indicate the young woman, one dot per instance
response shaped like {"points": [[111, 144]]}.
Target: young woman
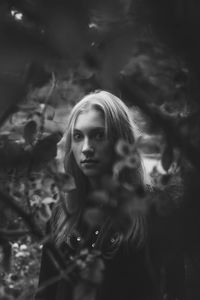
{"points": [[95, 125]]}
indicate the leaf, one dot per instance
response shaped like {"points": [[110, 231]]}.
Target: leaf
{"points": [[48, 200], [118, 166], [44, 214], [30, 131], [132, 161], [122, 148], [46, 149], [35, 200], [167, 157]]}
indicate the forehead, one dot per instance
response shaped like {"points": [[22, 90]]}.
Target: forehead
{"points": [[91, 118]]}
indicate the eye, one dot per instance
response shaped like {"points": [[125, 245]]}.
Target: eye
{"points": [[77, 136], [99, 136]]}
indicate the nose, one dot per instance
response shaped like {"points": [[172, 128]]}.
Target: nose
{"points": [[87, 149]]}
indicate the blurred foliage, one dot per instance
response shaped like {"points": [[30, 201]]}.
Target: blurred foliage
{"points": [[52, 53], [21, 280]]}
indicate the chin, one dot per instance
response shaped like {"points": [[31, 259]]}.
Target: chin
{"points": [[91, 174]]}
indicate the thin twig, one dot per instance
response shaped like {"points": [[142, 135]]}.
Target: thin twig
{"points": [[49, 282]]}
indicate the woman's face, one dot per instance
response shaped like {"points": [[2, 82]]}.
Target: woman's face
{"points": [[91, 148]]}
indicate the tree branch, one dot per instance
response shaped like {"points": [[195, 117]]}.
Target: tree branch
{"points": [[133, 94]]}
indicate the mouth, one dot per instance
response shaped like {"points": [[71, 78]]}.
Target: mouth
{"points": [[89, 162]]}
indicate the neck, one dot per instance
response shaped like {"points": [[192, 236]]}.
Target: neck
{"points": [[94, 184]]}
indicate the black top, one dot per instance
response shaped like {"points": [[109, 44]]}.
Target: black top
{"points": [[126, 276]]}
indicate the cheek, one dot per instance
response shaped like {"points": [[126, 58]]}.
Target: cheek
{"points": [[107, 152]]}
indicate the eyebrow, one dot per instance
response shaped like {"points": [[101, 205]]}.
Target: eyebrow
{"points": [[94, 129]]}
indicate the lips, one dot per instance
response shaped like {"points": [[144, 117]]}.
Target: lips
{"points": [[89, 161]]}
